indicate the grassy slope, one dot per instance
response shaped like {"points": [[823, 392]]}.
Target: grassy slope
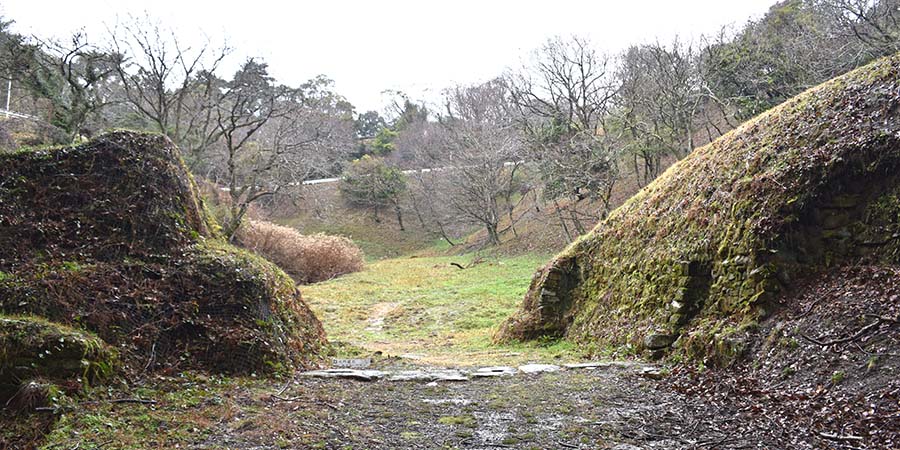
{"points": [[377, 241], [430, 308], [320, 209]]}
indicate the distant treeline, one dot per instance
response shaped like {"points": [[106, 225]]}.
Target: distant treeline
{"points": [[567, 124]]}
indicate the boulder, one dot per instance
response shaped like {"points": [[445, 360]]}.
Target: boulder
{"points": [[657, 341], [33, 348]]}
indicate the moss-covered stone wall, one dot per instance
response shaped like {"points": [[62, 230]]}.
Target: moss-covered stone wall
{"points": [[713, 240]]}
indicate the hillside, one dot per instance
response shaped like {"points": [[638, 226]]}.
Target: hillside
{"points": [[713, 242]]}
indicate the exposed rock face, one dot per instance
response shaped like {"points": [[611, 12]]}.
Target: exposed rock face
{"points": [[112, 235], [547, 309], [712, 242]]}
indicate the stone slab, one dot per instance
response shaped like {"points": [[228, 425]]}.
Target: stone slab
{"points": [[498, 371], [363, 375], [423, 375], [538, 368]]}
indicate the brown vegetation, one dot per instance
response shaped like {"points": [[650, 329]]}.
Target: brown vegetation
{"points": [[308, 259]]}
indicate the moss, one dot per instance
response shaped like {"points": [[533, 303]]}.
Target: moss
{"points": [[837, 377], [34, 348], [463, 420], [719, 235], [112, 236]]}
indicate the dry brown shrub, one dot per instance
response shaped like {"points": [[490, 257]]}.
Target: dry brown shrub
{"points": [[308, 259]]}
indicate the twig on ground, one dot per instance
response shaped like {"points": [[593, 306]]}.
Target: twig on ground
{"points": [[809, 308], [126, 400], [862, 331]]}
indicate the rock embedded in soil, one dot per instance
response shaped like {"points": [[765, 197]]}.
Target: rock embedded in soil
{"points": [[538, 368], [351, 363], [603, 364], [652, 373], [497, 371], [33, 348], [426, 375], [658, 341]]}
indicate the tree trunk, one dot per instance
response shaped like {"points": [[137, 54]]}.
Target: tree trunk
{"points": [[562, 221], [415, 205], [573, 213], [399, 216], [493, 235]]}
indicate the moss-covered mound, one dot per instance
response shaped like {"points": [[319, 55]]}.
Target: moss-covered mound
{"points": [[32, 348], [709, 245], [123, 194], [112, 236]]}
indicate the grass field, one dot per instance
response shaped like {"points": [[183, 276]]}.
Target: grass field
{"points": [[428, 309]]}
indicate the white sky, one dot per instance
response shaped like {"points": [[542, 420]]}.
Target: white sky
{"points": [[419, 47]]}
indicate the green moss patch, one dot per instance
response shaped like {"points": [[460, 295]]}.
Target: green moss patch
{"points": [[712, 242], [33, 348]]}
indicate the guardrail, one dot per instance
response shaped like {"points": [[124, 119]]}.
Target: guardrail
{"points": [[8, 113]]}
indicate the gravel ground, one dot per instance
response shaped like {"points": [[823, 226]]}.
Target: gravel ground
{"points": [[604, 408]]}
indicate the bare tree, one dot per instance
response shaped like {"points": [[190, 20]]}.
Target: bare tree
{"points": [[68, 76], [874, 23], [484, 147], [421, 141], [244, 107], [273, 137], [563, 99], [661, 100], [158, 74]]}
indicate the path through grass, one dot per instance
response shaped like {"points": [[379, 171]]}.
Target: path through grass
{"points": [[426, 308]]}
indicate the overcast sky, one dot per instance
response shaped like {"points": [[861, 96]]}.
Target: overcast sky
{"points": [[419, 46]]}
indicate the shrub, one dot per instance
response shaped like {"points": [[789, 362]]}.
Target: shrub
{"points": [[308, 259]]}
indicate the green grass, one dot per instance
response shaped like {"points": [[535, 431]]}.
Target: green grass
{"points": [[427, 307]]}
